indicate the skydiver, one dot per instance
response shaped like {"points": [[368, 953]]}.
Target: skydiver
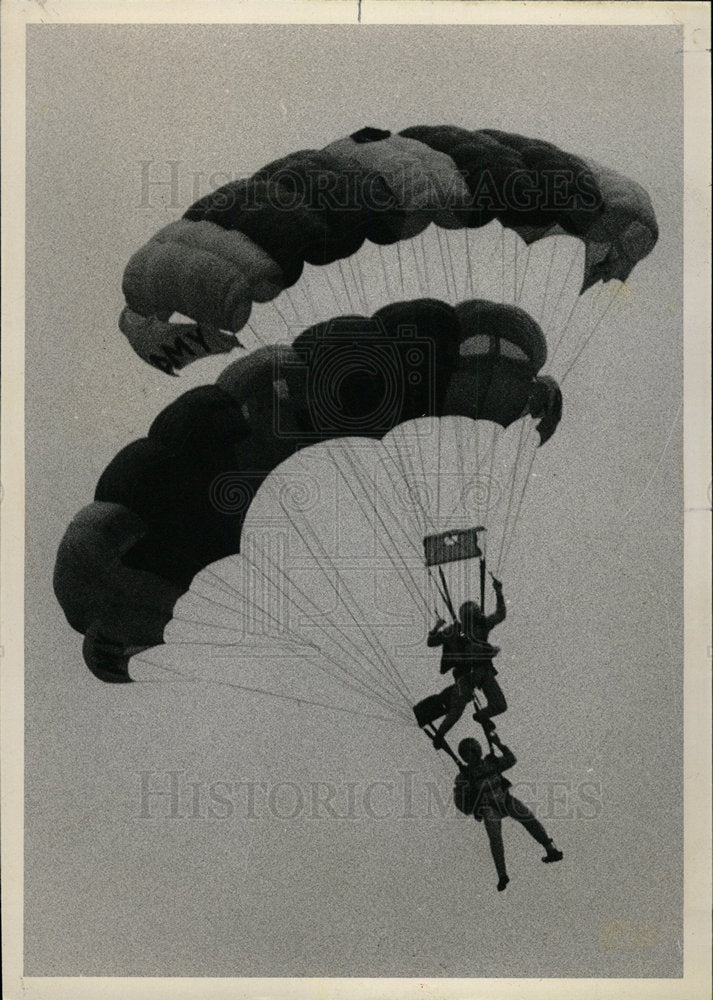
{"points": [[480, 788], [467, 652]]}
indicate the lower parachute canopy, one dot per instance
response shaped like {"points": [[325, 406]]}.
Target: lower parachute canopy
{"points": [[329, 601], [175, 501]]}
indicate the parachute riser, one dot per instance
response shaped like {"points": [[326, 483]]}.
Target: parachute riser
{"points": [[430, 731], [447, 596], [486, 730]]}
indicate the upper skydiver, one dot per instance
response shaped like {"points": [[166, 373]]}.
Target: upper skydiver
{"points": [[467, 652]]}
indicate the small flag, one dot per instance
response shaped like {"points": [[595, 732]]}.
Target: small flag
{"points": [[450, 546]]}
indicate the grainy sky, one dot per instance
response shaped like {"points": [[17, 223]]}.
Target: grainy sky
{"points": [[592, 650]]}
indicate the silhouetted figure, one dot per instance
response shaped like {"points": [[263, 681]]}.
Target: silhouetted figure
{"points": [[480, 788], [467, 652]]}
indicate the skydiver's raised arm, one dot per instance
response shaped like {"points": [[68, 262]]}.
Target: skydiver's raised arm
{"points": [[500, 612], [438, 634], [507, 758]]}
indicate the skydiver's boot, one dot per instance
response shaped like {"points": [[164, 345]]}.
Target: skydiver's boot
{"points": [[552, 853], [455, 710], [502, 882], [485, 721]]}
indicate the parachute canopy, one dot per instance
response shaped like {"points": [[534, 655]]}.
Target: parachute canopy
{"points": [[250, 240], [175, 501]]}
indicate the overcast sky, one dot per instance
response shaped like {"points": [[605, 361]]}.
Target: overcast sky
{"points": [[592, 650]]}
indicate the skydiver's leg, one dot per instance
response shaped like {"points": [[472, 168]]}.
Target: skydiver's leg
{"points": [[459, 698], [495, 698], [519, 811], [494, 830]]}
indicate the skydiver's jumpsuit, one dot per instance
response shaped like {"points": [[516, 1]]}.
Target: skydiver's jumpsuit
{"points": [[463, 655], [489, 792]]}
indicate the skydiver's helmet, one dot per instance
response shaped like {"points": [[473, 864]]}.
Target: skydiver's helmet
{"points": [[468, 612], [470, 750]]}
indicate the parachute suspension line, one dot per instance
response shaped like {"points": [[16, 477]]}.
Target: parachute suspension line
{"points": [[362, 283], [448, 278], [483, 563], [407, 473], [427, 507], [279, 312], [483, 496], [221, 585], [460, 452], [511, 491], [421, 286], [410, 541], [181, 675], [270, 694], [408, 536], [286, 293], [521, 289], [314, 704], [502, 260], [411, 581], [336, 298], [438, 479], [511, 536], [595, 296], [384, 270], [469, 275], [421, 243], [388, 533], [591, 333], [497, 434], [548, 278], [309, 659], [509, 526], [471, 449], [487, 460], [432, 585], [352, 307], [259, 569], [357, 284], [248, 603], [453, 509], [359, 296], [306, 290], [401, 266], [576, 305], [409, 477], [381, 654], [514, 269], [452, 266], [442, 593], [476, 444], [355, 654], [551, 319], [254, 332], [288, 595]]}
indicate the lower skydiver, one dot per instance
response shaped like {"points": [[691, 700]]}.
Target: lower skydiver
{"points": [[481, 789]]}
